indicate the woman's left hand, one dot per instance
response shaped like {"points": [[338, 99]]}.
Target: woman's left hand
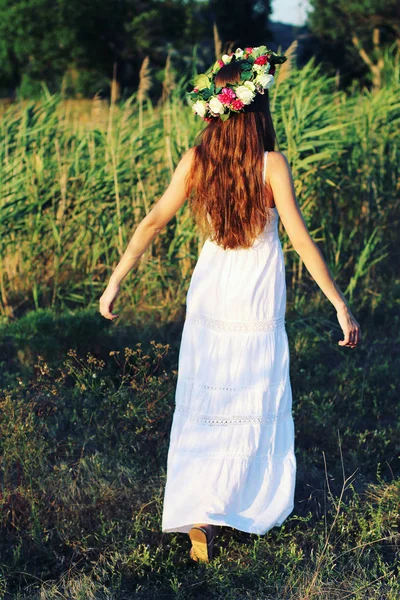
{"points": [[107, 301]]}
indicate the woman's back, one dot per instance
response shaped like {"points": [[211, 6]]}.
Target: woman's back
{"points": [[232, 438], [243, 284]]}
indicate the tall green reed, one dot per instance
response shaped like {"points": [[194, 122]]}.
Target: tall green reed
{"points": [[76, 179]]}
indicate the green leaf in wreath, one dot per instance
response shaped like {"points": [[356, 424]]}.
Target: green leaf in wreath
{"points": [[246, 75], [202, 82], [277, 59], [246, 66], [260, 50]]}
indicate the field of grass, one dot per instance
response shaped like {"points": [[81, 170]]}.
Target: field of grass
{"points": [[86, 405]]}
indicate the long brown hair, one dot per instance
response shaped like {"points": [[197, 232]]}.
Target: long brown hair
{"points": [[227, 195]]}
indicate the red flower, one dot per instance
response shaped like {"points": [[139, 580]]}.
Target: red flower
{"points": [[248, 50], [261, 60], [221, 63], [196, 90], [226, 96], [208, 119], [236, 104]]}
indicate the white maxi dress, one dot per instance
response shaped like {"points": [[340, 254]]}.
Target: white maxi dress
{"points": [[231, 459]]}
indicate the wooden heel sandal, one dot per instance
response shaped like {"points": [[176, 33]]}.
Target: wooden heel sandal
{"points": [[202, 544]]}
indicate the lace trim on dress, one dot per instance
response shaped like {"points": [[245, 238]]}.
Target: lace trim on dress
{"points": [[221, 421], [251, 388], [237, 326], [272, 456]]}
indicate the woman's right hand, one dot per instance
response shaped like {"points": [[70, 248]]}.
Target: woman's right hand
{"points": [[107, 301], [350, 326]]}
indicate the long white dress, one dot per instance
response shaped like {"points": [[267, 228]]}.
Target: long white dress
{"points": [[231, 459]]}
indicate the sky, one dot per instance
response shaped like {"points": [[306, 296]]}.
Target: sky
{"points": [[292, 12]]}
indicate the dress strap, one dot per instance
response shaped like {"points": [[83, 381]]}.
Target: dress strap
{"points": [[265, 165]]}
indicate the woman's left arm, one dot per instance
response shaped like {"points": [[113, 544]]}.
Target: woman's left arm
{"points": [[147, 230]]}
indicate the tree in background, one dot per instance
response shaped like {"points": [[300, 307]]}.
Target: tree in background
{"points": [[240, 23], [40, 40], [354, 35], [153, 28], [78, 43]]}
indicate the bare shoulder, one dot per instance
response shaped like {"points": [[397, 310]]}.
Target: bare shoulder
{"points": [[276, 157], [190, 152], [277, 164], [188, 156], [185, 163]]}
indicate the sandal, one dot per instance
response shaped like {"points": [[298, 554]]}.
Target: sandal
{"points": [[202, 543]]}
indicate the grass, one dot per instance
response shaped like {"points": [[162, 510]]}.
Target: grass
{"points": [[86, 405], [83, 453], [84, 440]]}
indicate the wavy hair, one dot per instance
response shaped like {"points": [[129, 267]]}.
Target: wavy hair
{"points": [[227, 195]]}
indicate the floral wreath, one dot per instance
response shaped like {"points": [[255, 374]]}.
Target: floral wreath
{"points": [[257, 75]]}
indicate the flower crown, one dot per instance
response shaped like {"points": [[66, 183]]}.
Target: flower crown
{"points": [[257, 75]]}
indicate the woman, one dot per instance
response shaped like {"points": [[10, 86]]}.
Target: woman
{"points": [[231, 458]]}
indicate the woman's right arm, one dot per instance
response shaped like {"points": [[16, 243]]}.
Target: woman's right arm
{"points": [[280, 178]]}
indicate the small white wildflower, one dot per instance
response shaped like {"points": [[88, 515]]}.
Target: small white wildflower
{"points": [[199, 107], [226, 59], [216, 105]]}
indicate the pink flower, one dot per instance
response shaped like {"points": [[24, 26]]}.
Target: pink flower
{"points": [[261, 60], [226, 96], [208, 119], [248, 50], [236, 104], [195, 89], [221, 63]]}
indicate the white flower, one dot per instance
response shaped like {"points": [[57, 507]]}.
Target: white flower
{"points": [[199, 107], [244, 94], [239, 53], [265, 80], [216, 106], [259, 68], [226, 59], [250, 85]]}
